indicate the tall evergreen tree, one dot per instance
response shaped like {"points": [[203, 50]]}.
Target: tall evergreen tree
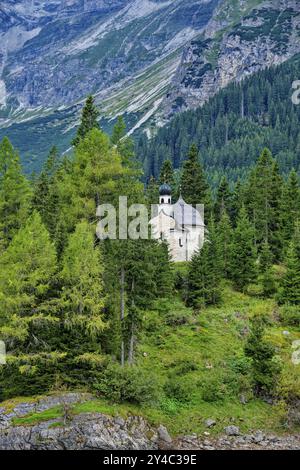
{"points": [[223, 199], [290, 207], [152, 193], [203, 283], [243, 255], [224, 236], [167, 174], [290, 284], [89, 120], [263, 199], [194, 186], [15, 194], [265, 370], [119, 131], [45, 195], [265, 267]]}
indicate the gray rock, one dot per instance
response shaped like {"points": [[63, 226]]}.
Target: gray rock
{"points": [[164, 435], [232, 430], [209, 423]]}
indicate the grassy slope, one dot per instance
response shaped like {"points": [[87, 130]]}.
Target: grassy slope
{"points": [[210, 342]]}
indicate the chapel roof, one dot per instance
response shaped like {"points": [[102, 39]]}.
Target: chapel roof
{"points": [[186, 214]]}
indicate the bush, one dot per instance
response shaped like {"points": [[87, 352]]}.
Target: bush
{"points": [[213, 389], [178, 390], [128, 384], [169, 406], [290, 315], [184, 367]]}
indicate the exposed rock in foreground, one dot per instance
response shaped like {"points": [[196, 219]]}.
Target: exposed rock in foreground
{"points": [[96, 431]]}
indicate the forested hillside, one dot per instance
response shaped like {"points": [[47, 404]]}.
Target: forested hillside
{"points": [[233, 127], [214, 337]]}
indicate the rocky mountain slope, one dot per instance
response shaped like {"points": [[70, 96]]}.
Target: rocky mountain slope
{"points": [[147, 59], [266, 35]]}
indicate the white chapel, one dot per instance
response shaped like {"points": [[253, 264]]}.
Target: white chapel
{"points": [[179, 224]]}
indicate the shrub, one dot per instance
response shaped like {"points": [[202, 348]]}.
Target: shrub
{"points": [[178, 390], [213, 389], [169, 406], [184, 367], [290, 315], [128, 384]]}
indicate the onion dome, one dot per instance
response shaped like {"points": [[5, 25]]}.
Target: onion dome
{"points": [[165, 190]]}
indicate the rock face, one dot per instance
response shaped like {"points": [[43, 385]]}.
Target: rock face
{"points": [[86, 431], [97, 431], [146, 59], [54, 53], [266, 35]]}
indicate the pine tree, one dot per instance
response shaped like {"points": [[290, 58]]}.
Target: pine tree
{"points": [[290, 284], [203, 282], [243, 255], [15, 194], [194, 187], [89, 120]]}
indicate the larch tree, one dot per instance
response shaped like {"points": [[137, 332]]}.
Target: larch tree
{"points": [[83, 298], [27, 269], [15, 194]]}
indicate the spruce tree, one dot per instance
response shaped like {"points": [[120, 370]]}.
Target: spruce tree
{"points": [[167, 174], [224, 236], [15, 194], [89, 120], [45, 196], [194, 187], [266, 269], [243, 256], [152, 193], [290, 207], [223, 199], [264, 191], [119, 131], [290, 284], [204, 274], [265, 370]]}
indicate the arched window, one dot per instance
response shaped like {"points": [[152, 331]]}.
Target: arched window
{"points": [[180, 242], [169, 201], [162, 201]]}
